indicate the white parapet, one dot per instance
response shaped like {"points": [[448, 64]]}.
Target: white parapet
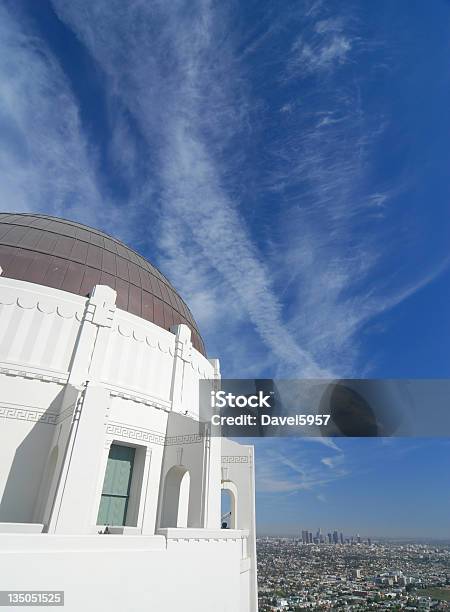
{"points": [[21, 528]]}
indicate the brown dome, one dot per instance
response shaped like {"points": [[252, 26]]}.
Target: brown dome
{"points": [[73, 257]]}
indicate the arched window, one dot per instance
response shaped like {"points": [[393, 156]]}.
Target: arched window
{"points": [[229, 519], [175, 508]]}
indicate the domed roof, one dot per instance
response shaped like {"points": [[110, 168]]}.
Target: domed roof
{"points": [[73, 257]]}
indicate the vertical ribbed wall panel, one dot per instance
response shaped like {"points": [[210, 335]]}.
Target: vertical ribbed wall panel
{"points": [[37, 349], [112, 360], [39, 330], [8, 314], [55, 343], [72, 331]]}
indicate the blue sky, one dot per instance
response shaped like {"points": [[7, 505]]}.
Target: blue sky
{"points": [[284, 164], [377, 487]]}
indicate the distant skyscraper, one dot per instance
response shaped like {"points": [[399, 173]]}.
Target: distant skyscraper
{"points": [[341, 537], [310, 537], [330, 538], [335, 537]]}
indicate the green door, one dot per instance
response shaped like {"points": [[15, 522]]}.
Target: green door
{"points": [[116, 487]]}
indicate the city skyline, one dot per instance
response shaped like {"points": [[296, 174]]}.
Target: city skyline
{"points": [[384, 576], [394, 492]]}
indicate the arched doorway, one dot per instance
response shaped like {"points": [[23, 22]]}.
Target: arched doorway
{"points": [[175, 508], [229, 519]]}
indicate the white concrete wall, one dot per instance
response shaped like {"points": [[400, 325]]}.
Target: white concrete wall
{"points": [[29, 415], [38, 325], [238, 468], [133, 573], [77, 375], [50, 339], [139, 357]]}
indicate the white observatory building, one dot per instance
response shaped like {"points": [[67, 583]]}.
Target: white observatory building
{"points": [[100, 363]]}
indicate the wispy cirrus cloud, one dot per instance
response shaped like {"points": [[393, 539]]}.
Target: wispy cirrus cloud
{"points": [[333, 462], [334, 217], [273, 241], [328, 442], [327, 45], [46, 162], [196, 116], [301, 470]]}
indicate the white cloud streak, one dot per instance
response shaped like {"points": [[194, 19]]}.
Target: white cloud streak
{"points": [[337, 229], [300, 471], [177, 76], [46, 163], [198, 219]]}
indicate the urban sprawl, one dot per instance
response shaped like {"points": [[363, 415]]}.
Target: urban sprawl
{"points": [[327, 571]]}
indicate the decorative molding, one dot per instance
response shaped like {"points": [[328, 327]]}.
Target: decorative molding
{"points": [[79, 405], [183, 344], [101, 306], [28, 414], [184, 439], [138, 334], [189, 534], [204, 539], [25, 371], [28, 301], [34, 414], [146, 435], [134, 433], [151, 341], [138, 397], [235, 459], [163, 347], [99, 315], [200, 365]]}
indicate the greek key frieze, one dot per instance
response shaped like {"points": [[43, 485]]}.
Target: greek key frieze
{"points": [[235, 459], [143, 435], [184, 439], [27, 414], [134, 433]]}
